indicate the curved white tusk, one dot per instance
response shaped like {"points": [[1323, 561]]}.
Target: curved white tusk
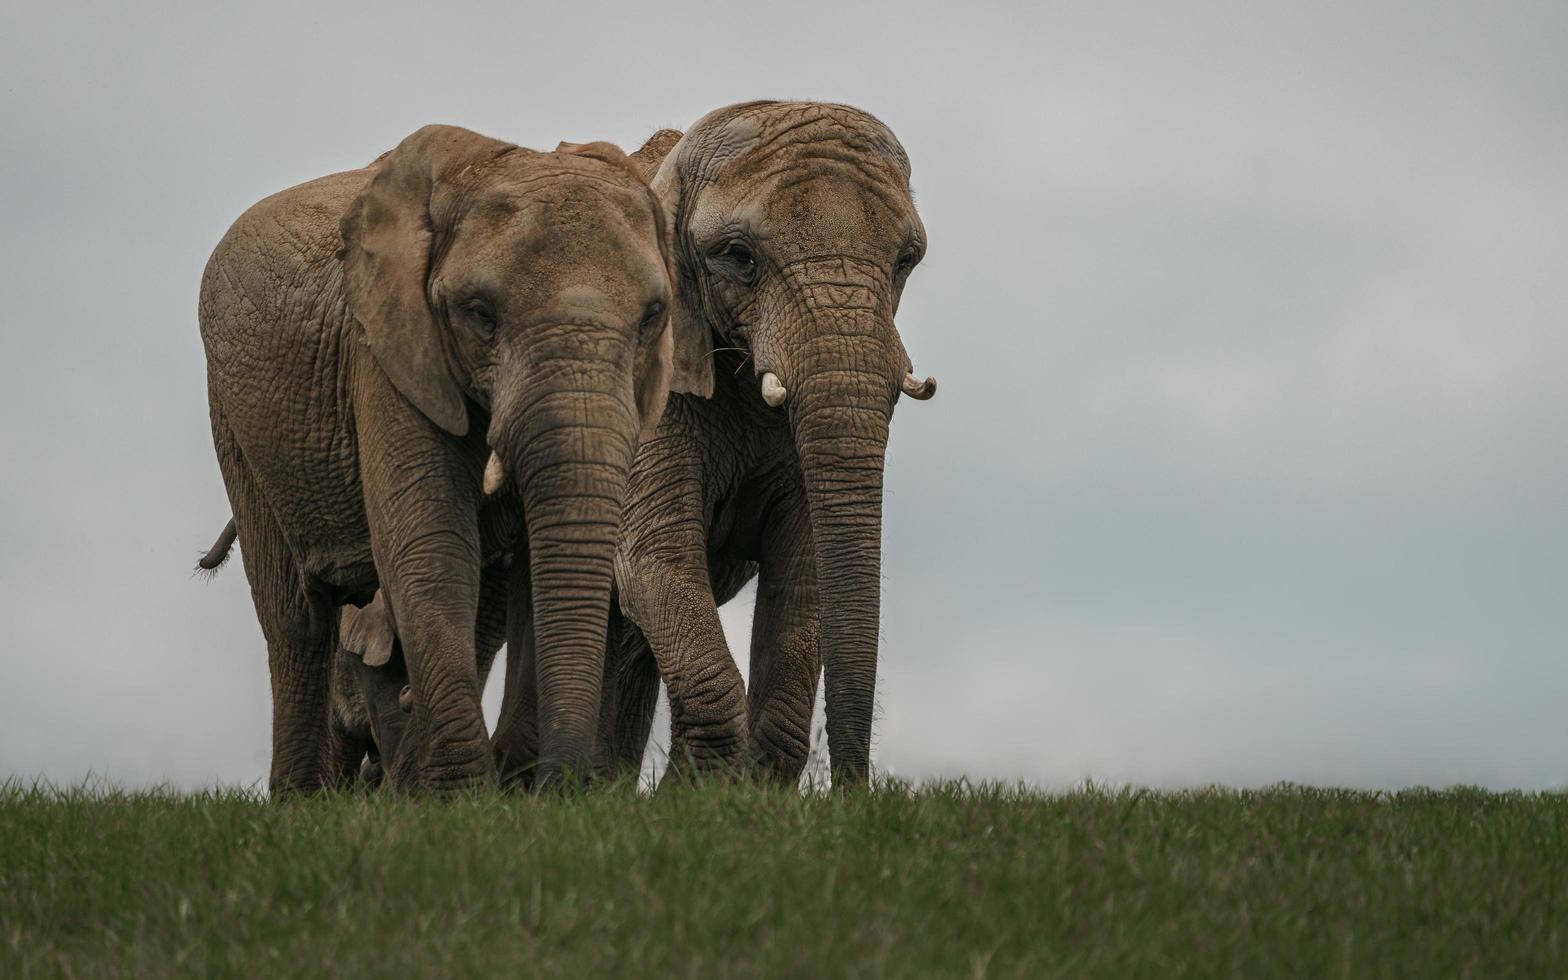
{"points": [[495, 474], [772, 392], [918, 390], [405, 698]]}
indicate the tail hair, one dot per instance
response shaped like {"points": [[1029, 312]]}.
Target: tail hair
{"points": [[218, 555]]}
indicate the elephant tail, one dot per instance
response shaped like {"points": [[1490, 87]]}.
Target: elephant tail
{"points": [[218, 554]]}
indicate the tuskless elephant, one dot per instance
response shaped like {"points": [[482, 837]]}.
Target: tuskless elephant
{"points": [[387, 345], [795, 232]]}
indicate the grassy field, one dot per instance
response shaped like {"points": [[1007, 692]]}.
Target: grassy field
{"points": [[740, 881]]}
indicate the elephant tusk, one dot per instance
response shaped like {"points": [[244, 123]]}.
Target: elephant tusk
{"points": [[405, 698], [495, 474], [772, 392], [918, 390]]}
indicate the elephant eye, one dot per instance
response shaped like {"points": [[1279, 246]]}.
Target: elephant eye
{"points": [[479, 313], [651, 320], [906, 263], [734, 261]]}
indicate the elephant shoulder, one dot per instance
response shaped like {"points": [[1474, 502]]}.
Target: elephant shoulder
{"points": [[302, 219], [278, 248]]}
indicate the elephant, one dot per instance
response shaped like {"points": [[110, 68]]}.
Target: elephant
{"points": [[795, 233], [429, 377]]}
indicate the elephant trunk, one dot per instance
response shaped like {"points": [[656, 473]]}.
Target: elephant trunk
{"points": [[840, 418], [569, 457]]}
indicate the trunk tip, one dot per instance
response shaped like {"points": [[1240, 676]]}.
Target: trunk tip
{"points": [[916, 389]]}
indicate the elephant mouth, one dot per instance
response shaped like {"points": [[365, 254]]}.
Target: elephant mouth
{"points": [[773, 391], [737, 341], [738, 337]]}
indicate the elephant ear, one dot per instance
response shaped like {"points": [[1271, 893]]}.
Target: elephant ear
{"points": [[387, 236], [691, 340], [653, 381], [369, 633], [646, 158]]}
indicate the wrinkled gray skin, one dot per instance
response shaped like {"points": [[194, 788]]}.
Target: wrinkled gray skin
{"points": [[795, 232], [371, 337]]}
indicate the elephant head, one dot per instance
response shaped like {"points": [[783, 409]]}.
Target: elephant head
{"points": [[528, 293], [795, 233]]}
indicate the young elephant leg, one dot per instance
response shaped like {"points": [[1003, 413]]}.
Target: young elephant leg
{"points": [[368, 678], [369, 675], [785, 657], [349, 735]]}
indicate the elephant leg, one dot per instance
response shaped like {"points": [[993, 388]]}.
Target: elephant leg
{"points": [[349, 733], [442, 744], [366, 715], [516, 741], [631, 695], [785, 656], [490, 623], [421, 502], [300, 632], [300, 628], [673, 605]]}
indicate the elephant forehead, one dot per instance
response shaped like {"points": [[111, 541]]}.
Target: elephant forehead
{"points": [[573, 197], [836, 214], [582, 301], [754, 128], [560, 219], [828, 198]]}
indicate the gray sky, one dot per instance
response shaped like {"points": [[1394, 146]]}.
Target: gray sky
{"points": [[1248, 463]]}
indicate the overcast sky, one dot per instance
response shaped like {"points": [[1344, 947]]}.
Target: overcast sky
{"points": [[1249, 458]]}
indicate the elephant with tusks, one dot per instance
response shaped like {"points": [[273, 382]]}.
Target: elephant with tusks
{"points": [[795, 232], [429, 377]]}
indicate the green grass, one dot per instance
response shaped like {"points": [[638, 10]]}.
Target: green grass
{"points": [[740, 881]]}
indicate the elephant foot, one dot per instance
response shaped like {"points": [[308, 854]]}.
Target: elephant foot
{"points": [[288, 789], [692, 768], [450, 778], [515, 748], [517, 775], [440, 770], [553, 780], [779, 752]]}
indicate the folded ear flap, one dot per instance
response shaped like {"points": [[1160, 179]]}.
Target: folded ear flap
{"points": [[369, 633], [652, 382], [646, 158], [691, 355], [387, 236]]}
